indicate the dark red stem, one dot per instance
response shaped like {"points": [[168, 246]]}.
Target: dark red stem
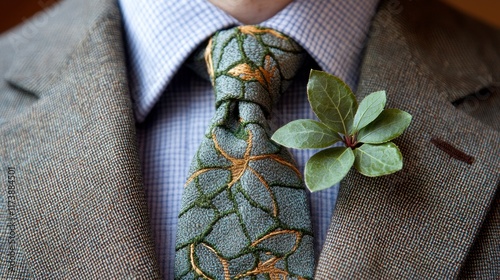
{"points": [[350, 141]]}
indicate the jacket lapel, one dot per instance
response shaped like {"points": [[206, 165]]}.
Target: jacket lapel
{"points": [[422, 221], [80, 206]]}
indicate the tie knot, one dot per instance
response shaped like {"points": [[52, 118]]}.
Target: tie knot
{"points": [[253, 64]]}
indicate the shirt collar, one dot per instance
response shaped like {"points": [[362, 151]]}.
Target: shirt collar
{"points": [[162, 34]]}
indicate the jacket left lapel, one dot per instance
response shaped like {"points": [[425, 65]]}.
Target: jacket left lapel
{"points": [[421, 222], [80, 206]]}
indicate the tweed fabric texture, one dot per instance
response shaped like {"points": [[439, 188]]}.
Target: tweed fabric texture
{"points": [[438, 215], [483, 260], [244, 211], [80, 208], [434, 218]]}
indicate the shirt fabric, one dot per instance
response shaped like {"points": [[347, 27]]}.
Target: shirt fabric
{"points": [[173, 105]]}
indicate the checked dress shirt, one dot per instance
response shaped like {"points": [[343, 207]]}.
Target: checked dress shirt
{"points": [[173, 105]]}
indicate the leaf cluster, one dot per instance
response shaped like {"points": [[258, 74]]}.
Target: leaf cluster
{"points": [[365, 129]]}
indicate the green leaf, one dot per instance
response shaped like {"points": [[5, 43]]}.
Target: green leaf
{"points": [[377, 160], [306, 134], [328, 167], [332, 101], [388, 125], [368, 110]]}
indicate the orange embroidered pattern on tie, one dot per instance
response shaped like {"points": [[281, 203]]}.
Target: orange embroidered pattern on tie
{"points": [[244, 211]]}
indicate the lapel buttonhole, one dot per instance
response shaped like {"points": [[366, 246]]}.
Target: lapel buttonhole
{"points": [[452, 151]]}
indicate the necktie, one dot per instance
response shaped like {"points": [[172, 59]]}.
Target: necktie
{"points": [[244, 212]]}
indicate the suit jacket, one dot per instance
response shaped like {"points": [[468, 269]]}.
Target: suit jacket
{"points": [[72, 203]]}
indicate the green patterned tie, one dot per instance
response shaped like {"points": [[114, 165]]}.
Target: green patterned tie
{"points": [[244, 212]]}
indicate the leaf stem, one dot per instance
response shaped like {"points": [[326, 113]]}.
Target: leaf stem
{"points": [[351, 141]]}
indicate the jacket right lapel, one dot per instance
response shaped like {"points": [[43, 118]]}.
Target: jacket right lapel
{"points": [[80, 205], [422, 221]]}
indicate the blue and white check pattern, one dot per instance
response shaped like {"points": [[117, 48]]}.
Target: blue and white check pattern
{"points": [[173, 106]]}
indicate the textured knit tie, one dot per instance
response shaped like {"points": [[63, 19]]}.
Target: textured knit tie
{"points": [[244, 212]]}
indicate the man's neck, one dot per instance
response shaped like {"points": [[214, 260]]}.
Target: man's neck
{"points": [[251, 11]]}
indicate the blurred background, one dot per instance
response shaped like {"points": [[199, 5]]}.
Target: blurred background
{"points": [[15, 12]]}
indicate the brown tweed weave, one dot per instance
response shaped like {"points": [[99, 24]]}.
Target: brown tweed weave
{"points": [[483, 261], [67, 128], [432, 219]]}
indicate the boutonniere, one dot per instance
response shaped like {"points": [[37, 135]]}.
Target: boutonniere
{"points": [[365, 129]]}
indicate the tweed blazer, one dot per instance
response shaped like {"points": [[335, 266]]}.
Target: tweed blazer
{"points": [[72, 204]]}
